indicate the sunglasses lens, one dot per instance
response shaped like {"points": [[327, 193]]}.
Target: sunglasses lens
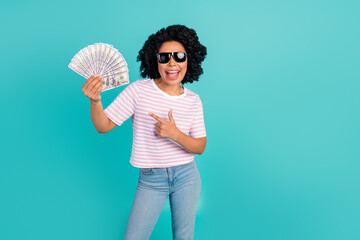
{"points": [[180, 56], [164, 57]]}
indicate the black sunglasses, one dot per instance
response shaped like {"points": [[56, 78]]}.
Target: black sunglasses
{"points": [[164, 57]]}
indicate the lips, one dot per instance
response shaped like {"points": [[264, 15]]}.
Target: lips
{"points": [[172, 74]]}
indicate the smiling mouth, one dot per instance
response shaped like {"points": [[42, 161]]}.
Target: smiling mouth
{"points": [[172, 74]]}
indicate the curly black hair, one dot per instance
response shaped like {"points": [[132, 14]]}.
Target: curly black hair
{"points": [[195, 51]]}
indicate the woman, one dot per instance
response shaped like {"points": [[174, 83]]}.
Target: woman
{"points": [[168, 129]]}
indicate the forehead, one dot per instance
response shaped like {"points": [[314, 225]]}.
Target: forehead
{"points": [[171, 46]]}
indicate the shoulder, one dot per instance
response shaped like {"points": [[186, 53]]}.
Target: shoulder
{"points": [[193, 96], [140, 83]]}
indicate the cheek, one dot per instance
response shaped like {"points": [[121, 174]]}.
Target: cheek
{"points": [[160, 68], [183, 65], [184, 68]]}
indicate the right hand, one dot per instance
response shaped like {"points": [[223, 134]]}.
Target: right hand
{"points": [[92, 88]]}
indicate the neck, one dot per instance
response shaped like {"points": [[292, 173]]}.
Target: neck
{"points": [[172, 90]]}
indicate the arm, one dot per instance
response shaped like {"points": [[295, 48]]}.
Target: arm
{"points": [[190, 144], [101, 122], [168, 129], [92, 89]]}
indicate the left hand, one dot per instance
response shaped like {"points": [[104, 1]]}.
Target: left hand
{"points": [[166, 128]]}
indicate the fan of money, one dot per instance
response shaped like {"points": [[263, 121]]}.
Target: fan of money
{"points": [[101, 59]]}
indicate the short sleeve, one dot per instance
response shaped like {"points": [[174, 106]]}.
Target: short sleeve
{"points": [[123, 107], [197, 129]]}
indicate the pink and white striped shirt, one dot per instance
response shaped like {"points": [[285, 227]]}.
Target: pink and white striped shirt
{"points": [[150, 150]]}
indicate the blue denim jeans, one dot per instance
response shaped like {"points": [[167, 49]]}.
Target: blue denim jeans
{"points": [[181, 184]]}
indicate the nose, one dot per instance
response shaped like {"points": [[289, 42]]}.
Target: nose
{"points": [[171, 61]]}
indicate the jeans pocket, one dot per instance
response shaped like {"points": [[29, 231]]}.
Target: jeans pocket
{"points": [[146, 171]]}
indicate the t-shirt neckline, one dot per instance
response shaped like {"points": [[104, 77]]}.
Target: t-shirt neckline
{"points": [[165, 94]]}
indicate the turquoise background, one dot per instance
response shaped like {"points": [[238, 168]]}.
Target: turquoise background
{"points": [[280, 91]]}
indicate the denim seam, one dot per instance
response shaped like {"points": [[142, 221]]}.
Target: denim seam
{"points": [[167, 170]]}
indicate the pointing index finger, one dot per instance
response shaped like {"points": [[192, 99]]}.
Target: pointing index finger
{"points": [[156, 117]]}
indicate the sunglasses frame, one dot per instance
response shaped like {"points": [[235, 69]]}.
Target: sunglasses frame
{"points": [[172, 54]]}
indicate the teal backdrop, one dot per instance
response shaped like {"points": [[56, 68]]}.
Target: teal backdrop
{"points": [[280, 91]]}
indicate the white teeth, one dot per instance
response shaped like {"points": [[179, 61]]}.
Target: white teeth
{"points": [[172, 71]]}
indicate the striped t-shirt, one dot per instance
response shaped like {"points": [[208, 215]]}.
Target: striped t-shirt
{"points": [[150, 150]]}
